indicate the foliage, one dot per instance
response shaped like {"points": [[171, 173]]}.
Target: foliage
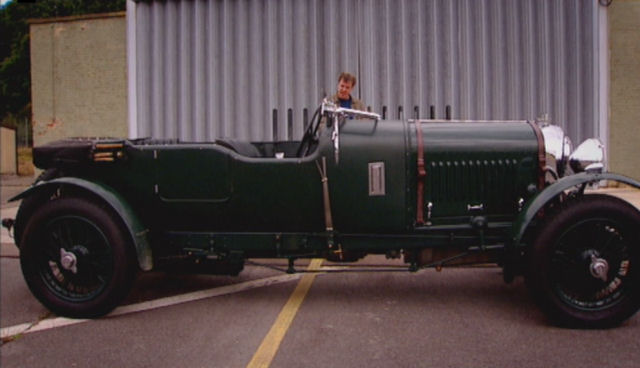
{"points": [[15, 91]]}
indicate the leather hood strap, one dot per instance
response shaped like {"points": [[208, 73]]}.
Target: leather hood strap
{"points": [[422, 174]]}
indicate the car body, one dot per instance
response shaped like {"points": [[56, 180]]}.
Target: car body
{"points": [[435, 193]]}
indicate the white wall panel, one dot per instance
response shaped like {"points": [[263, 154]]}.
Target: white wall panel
{"points": [[219, 68]]}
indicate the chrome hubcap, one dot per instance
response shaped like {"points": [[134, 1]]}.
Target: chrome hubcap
{"points": [[68, 261], [599, 268]]}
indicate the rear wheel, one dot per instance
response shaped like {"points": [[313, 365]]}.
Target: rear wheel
{"points": [[32, 202], [584, 265], [76, 258]]}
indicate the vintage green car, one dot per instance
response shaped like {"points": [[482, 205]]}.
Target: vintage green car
{"points": [[435, 193]]}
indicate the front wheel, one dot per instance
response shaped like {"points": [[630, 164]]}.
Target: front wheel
{"points": [[584, 264], [76, 258]]}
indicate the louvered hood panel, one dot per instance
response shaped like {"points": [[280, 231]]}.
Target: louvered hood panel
{"points": [[476, 168]]}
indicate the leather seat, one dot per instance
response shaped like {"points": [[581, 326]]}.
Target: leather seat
{"points": [[242, 148]]}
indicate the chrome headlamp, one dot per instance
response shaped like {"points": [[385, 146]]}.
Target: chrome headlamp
{"points": [[589, 156]]}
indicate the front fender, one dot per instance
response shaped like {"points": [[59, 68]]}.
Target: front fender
{"points": [[137, 230], [545, 196]]}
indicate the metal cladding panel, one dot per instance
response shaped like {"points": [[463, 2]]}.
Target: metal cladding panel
{"points": [[209, 69]]}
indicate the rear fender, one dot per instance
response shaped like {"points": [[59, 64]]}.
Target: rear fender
{"points": [[136, 229], [529, 212]]}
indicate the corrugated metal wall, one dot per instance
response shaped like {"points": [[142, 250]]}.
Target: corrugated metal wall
{"points": [[207, 69]]}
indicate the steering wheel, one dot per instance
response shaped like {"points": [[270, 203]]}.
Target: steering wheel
{"points": [[310, 135]]}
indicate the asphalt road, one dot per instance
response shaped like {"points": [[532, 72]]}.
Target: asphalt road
{"points": [[460, 317]]}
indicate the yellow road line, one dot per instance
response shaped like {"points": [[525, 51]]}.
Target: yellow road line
{"points": [[270, 344]]}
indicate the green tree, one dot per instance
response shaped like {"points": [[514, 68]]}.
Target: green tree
{"points": [[15, 90]]}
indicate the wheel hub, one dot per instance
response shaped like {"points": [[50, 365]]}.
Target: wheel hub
{"points": [[68, 261], [599, 268]]}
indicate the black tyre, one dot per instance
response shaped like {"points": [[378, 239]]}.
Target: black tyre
{"points": [[76, 258], [584, 264], [31, 203]]}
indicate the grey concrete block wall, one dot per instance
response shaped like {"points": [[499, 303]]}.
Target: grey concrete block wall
{"points": [[8, 163], [624, 94], [79, 77]]}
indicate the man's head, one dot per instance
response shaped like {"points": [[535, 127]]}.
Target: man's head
{"points": [[346, 82]]}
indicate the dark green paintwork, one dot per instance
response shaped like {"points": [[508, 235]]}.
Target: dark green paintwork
{"points": [[363, 142], [209, 199], [198, 174], [473, 163], [536, 204], [137, 231]]}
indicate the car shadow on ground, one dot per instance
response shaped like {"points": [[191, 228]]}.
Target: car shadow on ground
{"points": [[474, 290]]}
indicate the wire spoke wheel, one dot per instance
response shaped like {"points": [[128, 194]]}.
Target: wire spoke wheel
{"points": [[77, 258], [584, 263], [77, 262], [590, 265]]}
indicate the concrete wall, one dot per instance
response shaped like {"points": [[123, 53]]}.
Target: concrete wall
{"points": [[7, 151], [79, 77], [624, 43]]}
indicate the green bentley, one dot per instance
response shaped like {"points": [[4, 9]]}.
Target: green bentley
{"points": [[433, 193]]}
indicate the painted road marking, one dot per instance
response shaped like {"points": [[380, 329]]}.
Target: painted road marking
{"points": [[270, 344], [50, 323]]}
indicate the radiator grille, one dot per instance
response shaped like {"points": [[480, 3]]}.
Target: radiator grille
{"points": [[452, 185]]}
